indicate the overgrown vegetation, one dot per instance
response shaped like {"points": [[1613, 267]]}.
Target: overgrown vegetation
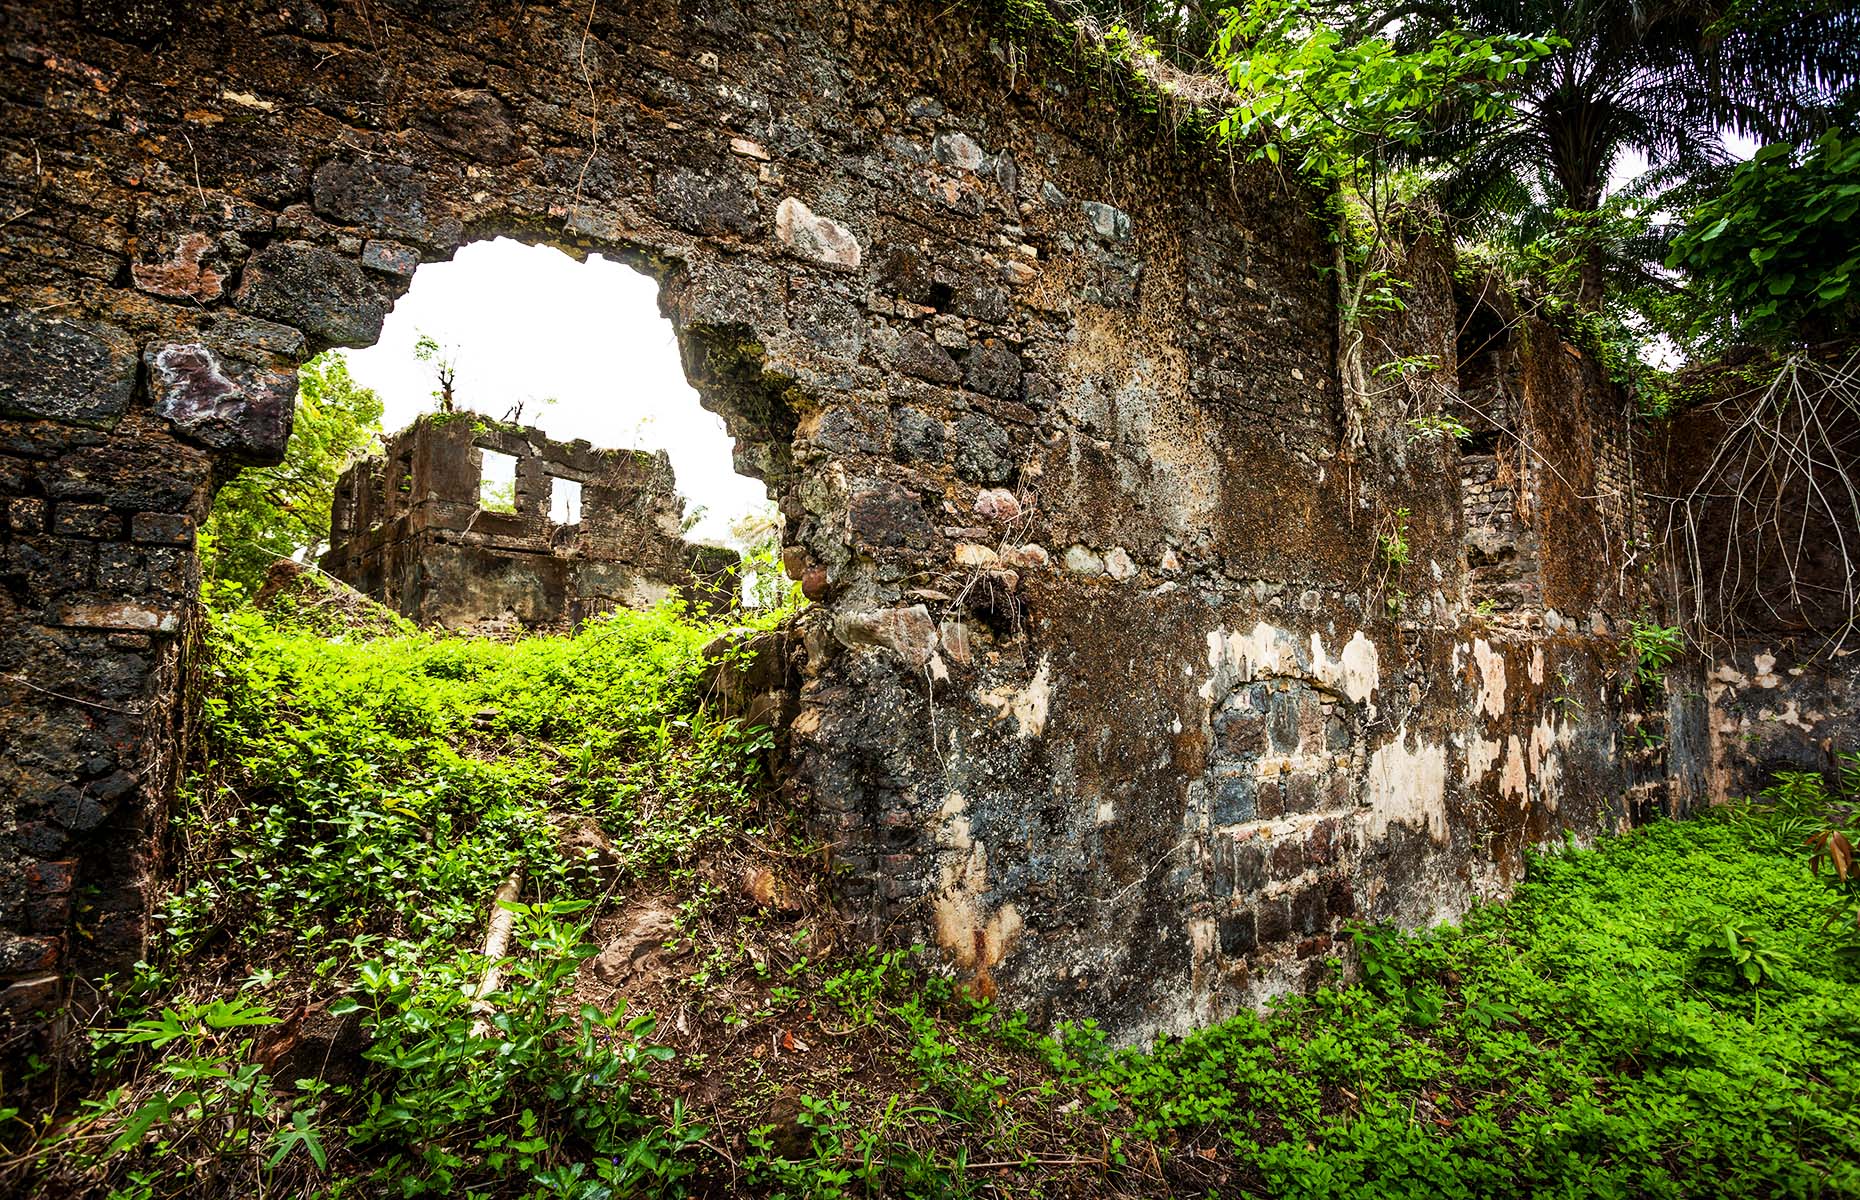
{"points": [[1341, 112], [1669, 1014], [1777, 252], [456, 917]]}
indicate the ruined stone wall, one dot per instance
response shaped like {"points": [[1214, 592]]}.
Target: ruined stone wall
{"points": [[408, 528], [1111, 690], [1775, 613]]}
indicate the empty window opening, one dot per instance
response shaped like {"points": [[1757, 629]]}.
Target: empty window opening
{"points": [[578, 350], [564, 501], [497, 482]]}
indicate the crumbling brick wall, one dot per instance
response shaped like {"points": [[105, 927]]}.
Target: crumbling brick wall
{"points": [[1111, 689], [408, 528]]}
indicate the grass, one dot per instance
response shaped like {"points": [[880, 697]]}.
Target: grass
{"points": [[1668, 1014]]}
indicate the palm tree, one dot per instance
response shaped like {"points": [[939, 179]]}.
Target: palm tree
{"points": [[1664, 78]]}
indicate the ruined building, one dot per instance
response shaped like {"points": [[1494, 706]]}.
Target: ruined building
{"points": [[587, 530], [1114, 688]]}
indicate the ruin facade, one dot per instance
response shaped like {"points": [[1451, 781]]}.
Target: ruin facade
{"points": [[1114, 688], [587, 530]]}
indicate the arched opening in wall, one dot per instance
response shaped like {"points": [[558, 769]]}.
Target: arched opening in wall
{"points": [[538, 429]]}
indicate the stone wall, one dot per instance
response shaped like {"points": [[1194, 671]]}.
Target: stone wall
{"points": [[408, 529], [1764, 565], [1112, 689]]}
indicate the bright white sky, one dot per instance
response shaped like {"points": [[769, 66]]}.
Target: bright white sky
{"points": [[530, 323]]}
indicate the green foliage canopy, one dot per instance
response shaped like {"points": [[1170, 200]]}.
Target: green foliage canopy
{"points": [[1776, 257], [269, 513], [1341, 105]]}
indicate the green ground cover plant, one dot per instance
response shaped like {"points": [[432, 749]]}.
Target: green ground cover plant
{"points": [[1670, 1013], [1594, 1037]]}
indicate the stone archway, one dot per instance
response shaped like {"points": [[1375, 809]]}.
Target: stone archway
{"points": [[1044, 390]]}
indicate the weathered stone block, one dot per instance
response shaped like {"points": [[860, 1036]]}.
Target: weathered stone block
{"points": [[240, 408], [78, 810], [720, 201], [390, 258], [997, 504], [86, 521], [120, 569], [26, 515], [25, 955], [1234, 797], [1275, 920], [993, 368], [62, 370], [957, 150], [1239, 934], [915, 354], [126, 615], [1309, 912], [388, 198], [1106, 222], [329, 297], [907, 631], [984, 452], [474, 123], [849, 431], [1340, 899], [40, 993], [51, 877], [1249, 867], [48, 914], [884, 515], [176, 267], [166, 529], [1282, 713], [917, 437]]}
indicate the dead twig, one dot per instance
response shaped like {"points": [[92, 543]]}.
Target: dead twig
{"points": [[496, 942]]}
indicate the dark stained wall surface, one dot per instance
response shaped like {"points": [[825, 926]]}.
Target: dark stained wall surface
{"points": [[1113, 690]]}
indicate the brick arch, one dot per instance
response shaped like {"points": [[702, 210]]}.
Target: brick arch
{"points": [[1044, 390]]}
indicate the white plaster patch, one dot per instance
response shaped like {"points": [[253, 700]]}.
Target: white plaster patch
{"points": [[1516, 780], [1028, 706], [962, 884], [1481, 757], [1546, 764], [1356, 673], [1491, 678], [248, 100], [1268, 652], [1408, 787], [1791, 715]]}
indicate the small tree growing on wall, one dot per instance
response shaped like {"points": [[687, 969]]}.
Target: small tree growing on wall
{"points": [[445, 363]]}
